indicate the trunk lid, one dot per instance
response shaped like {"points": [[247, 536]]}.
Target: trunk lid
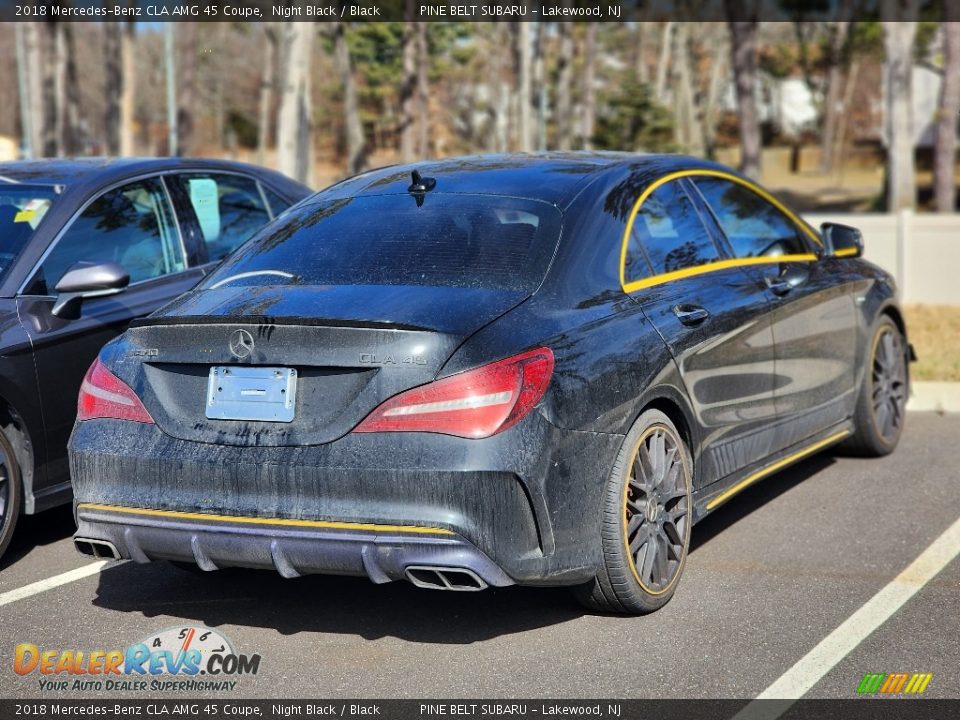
{"points": [[352, 347]]}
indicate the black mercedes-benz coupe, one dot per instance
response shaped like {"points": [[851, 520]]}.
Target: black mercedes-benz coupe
{"points": [[86, 245], [490, 370]]}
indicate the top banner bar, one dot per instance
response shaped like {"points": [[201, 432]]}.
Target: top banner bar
{"points": [[149, 11]]}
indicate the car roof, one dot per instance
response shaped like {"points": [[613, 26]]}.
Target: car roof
{"points": [[554, 177], [102, 170]]}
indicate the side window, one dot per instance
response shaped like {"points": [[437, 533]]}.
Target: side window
{"points": [[668, 231], [277, 203], [131, 225], [754, 227], [229, 209]]}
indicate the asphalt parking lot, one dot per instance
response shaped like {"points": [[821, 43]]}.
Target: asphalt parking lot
{"points": [[770, 575]]}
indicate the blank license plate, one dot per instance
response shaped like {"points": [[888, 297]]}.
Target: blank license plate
{"points": [[265, 394]]}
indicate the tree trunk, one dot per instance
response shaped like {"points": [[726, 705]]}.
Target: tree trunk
{"points": [[663, 64], [34, 53], [52, 88], [23, 94], [716, 39], [945, 152], [266, 90], [640, 58], [186, 100], [423, 91], [295, 122], [128, 84], [539, 89], [355, 140], [112, 85], [72, 131], [898, 40], [688, 128], [743, 55], [589, 81], [564, 103], [524, 108], [502, 93], [408, 83], [832, 107]]}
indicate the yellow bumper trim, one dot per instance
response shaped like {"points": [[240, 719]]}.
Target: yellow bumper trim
{"points": [[284, 522]]}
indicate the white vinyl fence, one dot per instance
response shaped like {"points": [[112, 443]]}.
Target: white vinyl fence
{"points": [[921, 250]]}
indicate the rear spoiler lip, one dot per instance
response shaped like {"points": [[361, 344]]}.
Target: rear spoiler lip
{"points": [[173, 320]]}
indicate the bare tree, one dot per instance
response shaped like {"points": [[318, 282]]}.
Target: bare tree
{"points": [[72, 140], [564, 103], [663, 63], [423, 91], [295, 122], [119, 85], [186, 97], [832, 107], [589, 83], [266, 89], [522, 62], [539, 88], [501, 93], [408, 83], [945, 151], [53, 82], [355, 141], [898, 38], [743, 52]]}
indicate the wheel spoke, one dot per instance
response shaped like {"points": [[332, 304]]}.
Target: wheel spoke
{"points": [[672, 532]]}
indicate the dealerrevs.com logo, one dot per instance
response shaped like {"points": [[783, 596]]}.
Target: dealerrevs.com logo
{"points": [[179, 658]]}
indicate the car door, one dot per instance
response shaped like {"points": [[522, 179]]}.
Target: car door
{"points": [[814, 321], [133, 225], [714, 319]]}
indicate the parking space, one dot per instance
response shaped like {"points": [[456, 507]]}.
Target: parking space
{"points": [[770, 575]]}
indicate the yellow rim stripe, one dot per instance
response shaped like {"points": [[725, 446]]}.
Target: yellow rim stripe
{"points": [[733, 262], [711, 267], [749, 480], [317, 524]]}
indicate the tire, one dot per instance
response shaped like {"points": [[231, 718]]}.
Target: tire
{"points": [[880, 413], [11, 492], [649, 491]]}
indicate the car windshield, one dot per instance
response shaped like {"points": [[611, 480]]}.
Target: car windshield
{"points": [[22, 208], [477, 241]]}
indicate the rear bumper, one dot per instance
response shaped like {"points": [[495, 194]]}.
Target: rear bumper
{"points": [[518, 507], [292, 548]]}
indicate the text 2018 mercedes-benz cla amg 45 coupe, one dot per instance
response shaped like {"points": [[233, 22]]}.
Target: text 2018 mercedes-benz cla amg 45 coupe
{"points": [[484, 371]]}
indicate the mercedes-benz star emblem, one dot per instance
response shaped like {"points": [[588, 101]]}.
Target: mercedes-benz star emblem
{"points": [[241, 344]]}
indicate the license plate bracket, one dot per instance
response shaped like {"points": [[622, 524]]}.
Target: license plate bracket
{"points": [[244, 392]]}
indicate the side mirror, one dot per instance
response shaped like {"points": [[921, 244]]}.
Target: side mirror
{"points": [[85, 280], [841, 240]]}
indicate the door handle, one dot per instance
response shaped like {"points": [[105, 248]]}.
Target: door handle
{"points": [[690, 314], [779, 287]]}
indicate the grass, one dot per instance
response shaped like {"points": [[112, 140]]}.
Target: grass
{"points": [[934, 331]]}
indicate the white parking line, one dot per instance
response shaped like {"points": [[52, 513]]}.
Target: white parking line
{"points": [[813, 666], [56, 581]]}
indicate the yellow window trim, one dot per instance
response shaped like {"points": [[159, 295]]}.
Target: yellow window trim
{"points": [[316, 524], [713, 266], [789, 459], [708, 267]]}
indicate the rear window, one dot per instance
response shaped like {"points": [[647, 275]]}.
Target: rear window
{"points": [[483, 241], [22, 208]]}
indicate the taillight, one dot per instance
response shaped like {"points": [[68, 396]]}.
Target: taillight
{"points": [[104, 395], [473, 404]]}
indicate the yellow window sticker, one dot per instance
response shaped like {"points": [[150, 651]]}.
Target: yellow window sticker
{"points": [[25, 216]]}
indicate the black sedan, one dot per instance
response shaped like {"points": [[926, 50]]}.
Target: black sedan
{"points": [[490, 370], [85, 247]]}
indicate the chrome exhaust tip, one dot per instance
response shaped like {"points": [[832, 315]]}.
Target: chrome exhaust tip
{"points": [[96, 548], [445, 578]]}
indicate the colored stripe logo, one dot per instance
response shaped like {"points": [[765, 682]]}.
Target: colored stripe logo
{"points": [[894, 683]]}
